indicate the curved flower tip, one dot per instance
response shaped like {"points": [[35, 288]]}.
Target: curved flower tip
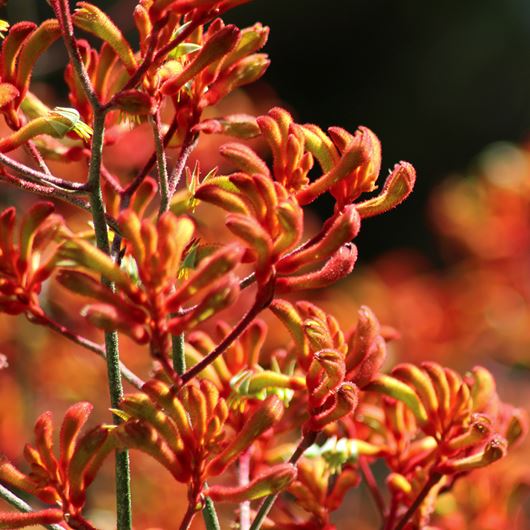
{"points": [[270, 482], [397, 188], [337, 267]]}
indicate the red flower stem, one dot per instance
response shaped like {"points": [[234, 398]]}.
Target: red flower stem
{"points": [[22, 506], [47, 321], [62, 12], [35, 154], [434, 478], [188, 517], [113, 182], [42, 178], [372, 486], [263, 299], [54, 193], [266, 506], [190, 141], [133, 186]]}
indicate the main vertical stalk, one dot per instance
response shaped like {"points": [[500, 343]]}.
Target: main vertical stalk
{"points": [[123, 492]]}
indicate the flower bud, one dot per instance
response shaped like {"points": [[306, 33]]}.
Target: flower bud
{"points": [[270, 482], [397, 483], [343, 229], [33, 46], [246, 71], [263, 418], [90, 18], [346, 400], [421, 383], [320, 146], [397, 188], [338, 266], [209, 270], [494, 450], [74, 420], [392, 387], [218, 45], [351, 159], [325, 374], [11, 47], [223, 293], [291, 319], [241, 126], [244, 158]]}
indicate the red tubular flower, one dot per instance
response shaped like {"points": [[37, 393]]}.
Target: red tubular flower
{"points": [[148, 310], [27, 258], [441, 426], [60, 481], [21, 49], [264, 204], [319, 491], [185, 432], [270, 482], [238, 371]]}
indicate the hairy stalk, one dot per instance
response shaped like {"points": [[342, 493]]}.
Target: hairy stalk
{"points": [[177, 350], [259, 304], [62, 12], [161, 162], [186, 149], [54, 193], [209, 515], [434, 478], [22, 506], [41, 177], [123, 489], [126, 373], [133, 186], [307, 440], [123, 492], [372, 486], [37, 157]]}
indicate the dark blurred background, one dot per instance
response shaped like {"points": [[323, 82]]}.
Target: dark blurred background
{"points": [[436, 81]]}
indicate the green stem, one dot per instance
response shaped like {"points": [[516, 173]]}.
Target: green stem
{"points": [[161, 163], [266, 506], [123, 491], [123, 488], [178, 354], [22, 506], [211, 521]]}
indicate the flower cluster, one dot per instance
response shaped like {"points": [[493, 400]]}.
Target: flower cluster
{"points": [[197, 267]]}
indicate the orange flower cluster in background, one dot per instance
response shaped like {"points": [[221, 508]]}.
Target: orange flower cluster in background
{"points": [[174, 302]]}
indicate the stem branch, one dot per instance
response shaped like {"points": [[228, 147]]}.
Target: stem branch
{"points": [[307, 440], [22, 506], [434, 478]]}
